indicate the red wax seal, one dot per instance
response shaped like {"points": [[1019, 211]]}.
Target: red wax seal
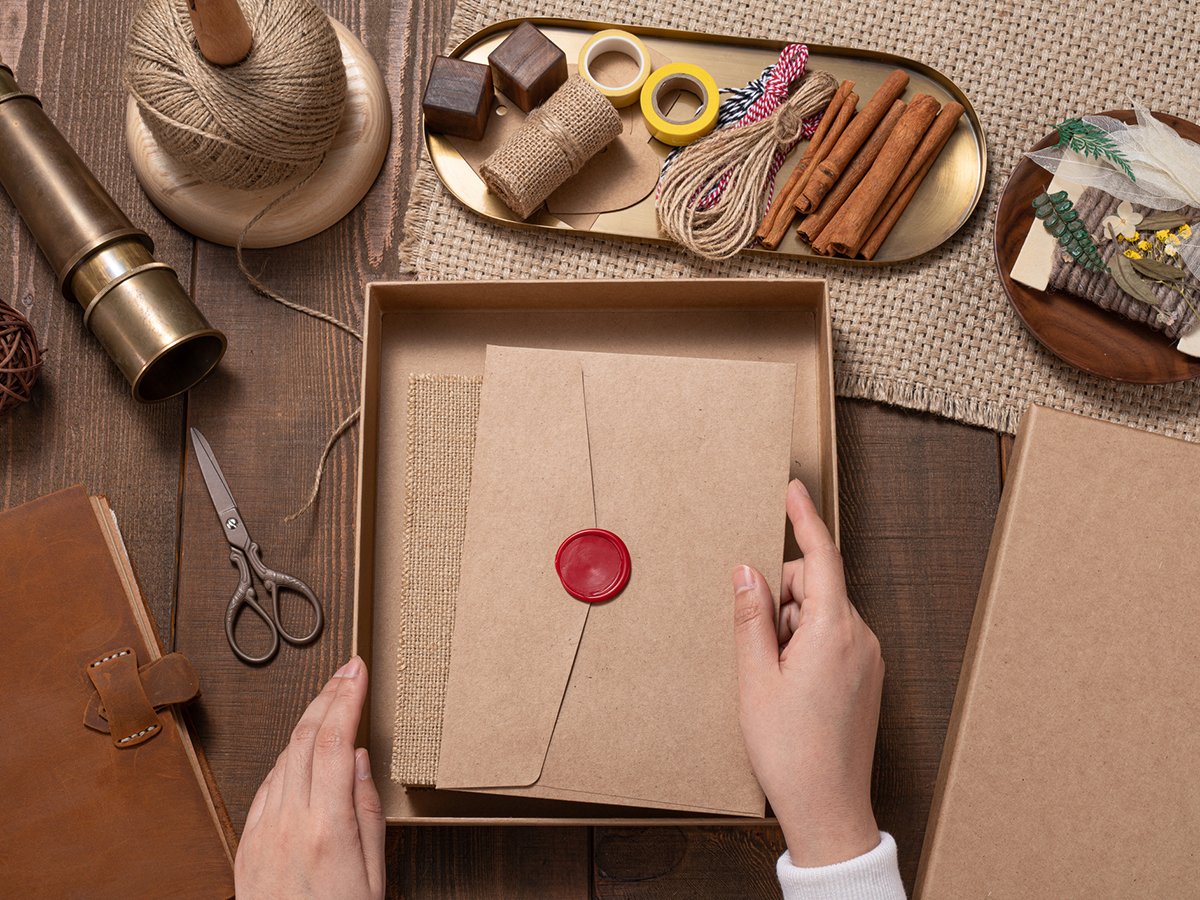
{"points": [[593, 565]]}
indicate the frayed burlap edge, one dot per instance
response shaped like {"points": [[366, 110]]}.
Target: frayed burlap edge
{"points": [[426, 182]]}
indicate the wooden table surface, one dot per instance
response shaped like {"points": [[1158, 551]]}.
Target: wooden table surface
{"points": [[918, 493]]}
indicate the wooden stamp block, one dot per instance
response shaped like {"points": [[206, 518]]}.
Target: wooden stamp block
{"points": [[529, 67], [458, 98]]}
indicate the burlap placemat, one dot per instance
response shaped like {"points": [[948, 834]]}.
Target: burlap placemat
{"points": [[936, 334], [442, 412]]}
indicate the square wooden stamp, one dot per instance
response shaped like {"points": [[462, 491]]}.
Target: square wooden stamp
{"points": [[528, 66], [458, 98]]}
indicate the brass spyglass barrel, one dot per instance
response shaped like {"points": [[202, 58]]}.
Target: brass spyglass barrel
{"points": [[133, 304]]}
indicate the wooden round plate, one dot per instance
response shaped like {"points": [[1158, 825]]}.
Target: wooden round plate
{"points": [[1077, 331]]}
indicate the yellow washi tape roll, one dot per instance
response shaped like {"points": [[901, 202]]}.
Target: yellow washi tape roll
{"points": [[677, 77], [613, 40]]}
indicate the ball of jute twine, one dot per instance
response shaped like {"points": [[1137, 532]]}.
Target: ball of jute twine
{"points": [[742, 156], [251, 125], [20, 359], [270, 118]]}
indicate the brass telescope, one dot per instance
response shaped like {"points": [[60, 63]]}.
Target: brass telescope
{"points": [[133, 304]]}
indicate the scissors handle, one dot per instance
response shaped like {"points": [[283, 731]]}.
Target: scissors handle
{"points": [[245, 597], [274, 582]]}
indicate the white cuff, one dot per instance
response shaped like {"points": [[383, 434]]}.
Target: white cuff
{"points": [[873, 876]]}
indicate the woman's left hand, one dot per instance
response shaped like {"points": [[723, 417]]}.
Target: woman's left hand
{"points": [[315, 828]]}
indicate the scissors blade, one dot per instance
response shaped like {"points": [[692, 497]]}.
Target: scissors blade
{"points": [[218, 489]]}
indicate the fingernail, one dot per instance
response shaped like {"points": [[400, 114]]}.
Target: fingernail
{"points": [[798, 485], [744, 580], [362, 765], [350, 670]]}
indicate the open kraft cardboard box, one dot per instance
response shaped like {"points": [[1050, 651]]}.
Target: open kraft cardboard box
{"points": [[445, 327]]}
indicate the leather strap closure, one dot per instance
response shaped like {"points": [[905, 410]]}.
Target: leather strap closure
{"points": [[127, 696]]}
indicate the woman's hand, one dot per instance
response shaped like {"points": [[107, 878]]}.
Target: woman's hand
{"points": [[315, 828], [809, 688]]}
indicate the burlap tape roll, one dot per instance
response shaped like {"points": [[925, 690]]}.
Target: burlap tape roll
{"points": [[613, 40], [562, 134], [680, 77]]}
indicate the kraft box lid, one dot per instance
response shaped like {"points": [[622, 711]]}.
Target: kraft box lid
{"points": [[1070, 766]]}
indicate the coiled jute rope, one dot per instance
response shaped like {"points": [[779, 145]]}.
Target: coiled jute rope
{"points": [[744, 160], [252, 125]]}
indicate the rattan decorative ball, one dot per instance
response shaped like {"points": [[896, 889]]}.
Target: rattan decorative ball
{"points": [[20, 358]]}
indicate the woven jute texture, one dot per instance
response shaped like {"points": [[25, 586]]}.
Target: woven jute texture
{"points": [[1173, 314], [562, 134], [442, 412], [935, 334]]}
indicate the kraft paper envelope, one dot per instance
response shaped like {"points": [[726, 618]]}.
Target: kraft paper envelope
{"points": [[632, 701]]}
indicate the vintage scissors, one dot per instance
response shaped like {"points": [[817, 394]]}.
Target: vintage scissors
{"points": [[245, 554]]}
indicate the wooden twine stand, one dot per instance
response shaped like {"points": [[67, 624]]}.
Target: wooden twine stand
{"points": [[217, 213]]}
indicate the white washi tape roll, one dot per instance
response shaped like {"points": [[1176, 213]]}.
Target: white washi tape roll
{"points": [[613, 40]]}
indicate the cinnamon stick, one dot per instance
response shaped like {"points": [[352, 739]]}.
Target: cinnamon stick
{"points": [[848, 112], [854, 173], [828, 170], [782, 207], [786, 206], [849, 226], [927, 154]]}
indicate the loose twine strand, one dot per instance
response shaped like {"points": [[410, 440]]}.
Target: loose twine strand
{"points": [[271, 294], [744, 158], [753, 103]]}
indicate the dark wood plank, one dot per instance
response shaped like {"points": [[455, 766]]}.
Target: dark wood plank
{"points": [[713, 863], [495, 862], [919, 497], [1007, 444], [83, 425]]}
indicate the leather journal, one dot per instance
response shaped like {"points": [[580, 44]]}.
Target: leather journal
{"points": [[105, 793]]}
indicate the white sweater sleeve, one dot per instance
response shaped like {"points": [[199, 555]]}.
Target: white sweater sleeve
{"points": [[873, 876]]}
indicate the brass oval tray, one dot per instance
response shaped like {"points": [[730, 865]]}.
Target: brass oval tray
{"points": [[943, 204], [1075, 330]]}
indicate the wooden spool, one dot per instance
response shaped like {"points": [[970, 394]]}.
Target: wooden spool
{"points": [[217, 213]]}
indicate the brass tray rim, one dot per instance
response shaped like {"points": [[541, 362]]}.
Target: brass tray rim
{"points": [[738, 40]]}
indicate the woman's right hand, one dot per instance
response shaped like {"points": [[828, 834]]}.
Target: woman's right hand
{"points": [[809, 686]]}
